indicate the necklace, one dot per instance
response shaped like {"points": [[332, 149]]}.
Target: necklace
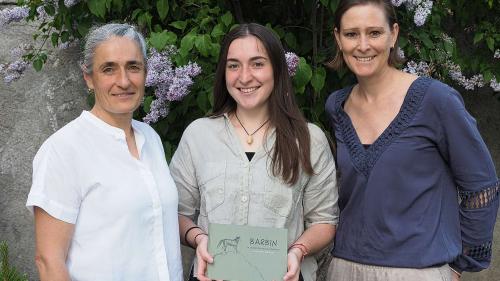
{"points": [[250, 136]]}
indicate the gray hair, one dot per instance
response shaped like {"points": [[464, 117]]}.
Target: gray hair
{"points": [[99, 34]]}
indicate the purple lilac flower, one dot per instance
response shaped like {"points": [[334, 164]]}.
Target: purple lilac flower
{"points": [[401, 53], [422, 12], [70, 3], [15, 14], [41, 13], [171, 84], [13, 70], [292, 61], [495, 85], [420, 69], [397, 3]]}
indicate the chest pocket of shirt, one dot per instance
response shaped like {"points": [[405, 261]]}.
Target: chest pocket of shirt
{"points": [[279, 197], [211, 180]]}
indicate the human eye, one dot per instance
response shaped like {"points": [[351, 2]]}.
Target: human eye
{"points": [[108, 70], [375, 33], [232, 66], [258, 64], [135, 68], [350, 34]]}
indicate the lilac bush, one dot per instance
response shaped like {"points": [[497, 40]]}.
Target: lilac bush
{"points": [[292, 61], [171, 84], [15, 14]]}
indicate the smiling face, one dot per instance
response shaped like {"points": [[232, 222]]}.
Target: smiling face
{"points": [[365, 39], [249, 73], [117, 78]]}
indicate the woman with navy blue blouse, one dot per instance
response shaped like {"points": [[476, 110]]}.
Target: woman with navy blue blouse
{"points": [[418, 188]]}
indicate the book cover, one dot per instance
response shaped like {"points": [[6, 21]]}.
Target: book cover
{"points": [[247, 253]]}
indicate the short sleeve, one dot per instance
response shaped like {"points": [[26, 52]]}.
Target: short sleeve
{"points": [[474, 173], [183, 173], [54, 188], [321, 193]]}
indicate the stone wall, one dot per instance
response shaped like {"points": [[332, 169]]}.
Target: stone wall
{"points": [[35, 106]]}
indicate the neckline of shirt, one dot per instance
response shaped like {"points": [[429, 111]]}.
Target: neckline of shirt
{"points": [[115, 132]]}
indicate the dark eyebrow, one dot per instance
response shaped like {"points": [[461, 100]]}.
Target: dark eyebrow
{"points": [[113, 64], [251, 59]]}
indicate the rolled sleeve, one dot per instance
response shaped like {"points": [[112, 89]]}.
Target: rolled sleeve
{"points": [[183, 173], [54, 187], [474, 173], [321, 193]]}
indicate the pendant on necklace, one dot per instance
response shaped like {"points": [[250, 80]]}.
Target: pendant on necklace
{"points": [[249, 139]]}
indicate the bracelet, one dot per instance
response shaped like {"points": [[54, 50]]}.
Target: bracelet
{"points": [[186, 234], [301, 247], [196, 236], [456, 271]]}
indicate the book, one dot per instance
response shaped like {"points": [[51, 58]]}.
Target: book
{"points": [[247, 253]]}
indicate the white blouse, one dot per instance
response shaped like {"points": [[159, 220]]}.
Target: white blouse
{"points": [[124, 209]]}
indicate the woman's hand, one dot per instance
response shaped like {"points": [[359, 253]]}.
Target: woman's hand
{"points": [[203, 257], [294, 258]]}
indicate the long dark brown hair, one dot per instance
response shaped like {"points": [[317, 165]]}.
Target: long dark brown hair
{"points": [[292, 147], [390, 15]]}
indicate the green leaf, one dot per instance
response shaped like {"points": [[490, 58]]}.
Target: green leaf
{"points": [[187, 43], [203, 44], [54, 38], [448, 47], [491, 43], [202, 101], [217, 31], [426, 40], [488, 75], [160, 39], [37, 64], [402, 42], [147, 103], [214, 50], [291, 40], [97, 7], [118, 5], [135, 13], [302, 76], [162, 7], [478, 37], [227, 18], [179, 24], [145, 20], [318, 79], [325, 2]]}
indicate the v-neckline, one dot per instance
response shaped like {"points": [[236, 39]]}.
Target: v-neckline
{"points": [[365, 158]]}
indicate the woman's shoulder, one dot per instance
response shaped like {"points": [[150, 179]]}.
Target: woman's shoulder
{"points": [[336, 98], [203, 126], [441, 96], [317, 135]]}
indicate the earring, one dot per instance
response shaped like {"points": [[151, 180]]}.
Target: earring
{"points": [[90, 91]]}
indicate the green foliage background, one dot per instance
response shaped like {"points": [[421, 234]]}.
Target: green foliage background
{"points": [[196, 27]]}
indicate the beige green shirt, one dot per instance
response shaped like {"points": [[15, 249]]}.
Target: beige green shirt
{"points": [[215, 177]]}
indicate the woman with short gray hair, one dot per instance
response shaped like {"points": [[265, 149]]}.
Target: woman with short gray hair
{"points": [[104, 203]]}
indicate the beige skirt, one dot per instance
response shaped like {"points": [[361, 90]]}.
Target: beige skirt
{"points": [[344, 270]]}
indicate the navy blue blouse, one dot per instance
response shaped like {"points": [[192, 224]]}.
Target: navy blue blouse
{"points": [[424, 193]]}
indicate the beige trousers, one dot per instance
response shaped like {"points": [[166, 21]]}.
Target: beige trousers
{"points": [[344, 270]]}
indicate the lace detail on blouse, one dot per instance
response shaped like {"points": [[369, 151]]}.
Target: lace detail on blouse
{"points": [[479, 199], [364, 159], [480, 252]]}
